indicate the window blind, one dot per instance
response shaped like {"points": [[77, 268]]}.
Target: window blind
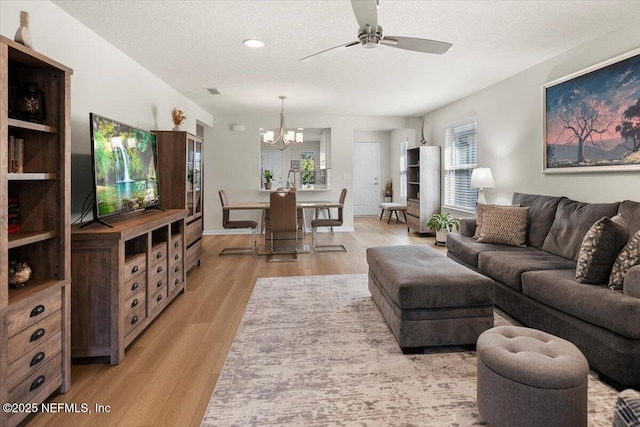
{"points": [[460, 158]]}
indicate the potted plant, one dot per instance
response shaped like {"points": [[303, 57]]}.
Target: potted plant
{"points": [[442, 224], [268, 177]]}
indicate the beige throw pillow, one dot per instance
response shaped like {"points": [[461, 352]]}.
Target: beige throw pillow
{"points": [[480, 210], [505, 225]]}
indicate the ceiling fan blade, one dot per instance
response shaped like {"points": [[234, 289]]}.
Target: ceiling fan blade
{"points": [[332, 49], [366, 12], [418, 45]]}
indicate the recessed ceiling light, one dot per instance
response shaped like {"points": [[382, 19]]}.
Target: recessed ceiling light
{"points": [[253, 43]]}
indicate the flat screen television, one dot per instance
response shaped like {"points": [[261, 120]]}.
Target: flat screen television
{"points": [[125, 167]]}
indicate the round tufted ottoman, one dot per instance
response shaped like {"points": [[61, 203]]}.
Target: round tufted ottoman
{"points": [[528, 377]]}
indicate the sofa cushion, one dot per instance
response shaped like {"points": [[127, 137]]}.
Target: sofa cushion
{"points": [[467, 249], [630, 211], [542, 211], [599, 249], [505, 225], [627, 258], [596, 304], [417, 276], [507, 267], [573, 220], [631, 285], [467, 227]]}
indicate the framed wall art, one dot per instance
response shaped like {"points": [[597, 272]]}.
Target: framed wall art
{"points": [[592, 118]]}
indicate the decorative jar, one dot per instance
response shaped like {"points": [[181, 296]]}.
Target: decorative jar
{"points": [[19, 274]]}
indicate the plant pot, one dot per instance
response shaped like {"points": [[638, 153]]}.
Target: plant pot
{"points": [[267, 186], [441, 236]]}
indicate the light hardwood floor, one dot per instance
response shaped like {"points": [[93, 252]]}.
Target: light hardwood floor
{"points": [[170, 371]]}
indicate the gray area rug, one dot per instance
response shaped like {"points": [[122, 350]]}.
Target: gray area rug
{"points": [[315, 351]]}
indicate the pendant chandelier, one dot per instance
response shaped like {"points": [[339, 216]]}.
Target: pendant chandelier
{"points": [[284, 138]]}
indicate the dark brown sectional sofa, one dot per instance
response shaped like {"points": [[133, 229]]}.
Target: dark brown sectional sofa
{"points": [[536, 284]]}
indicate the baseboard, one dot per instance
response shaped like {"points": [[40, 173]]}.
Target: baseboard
{"points": [[246, 231]]}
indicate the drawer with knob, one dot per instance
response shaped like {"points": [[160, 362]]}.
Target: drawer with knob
{"points": [[135, 265], [33, 336], [135, 301], [158, 252], [158, 298], [135, 318], [175, 276], [176, 257], [47, 377], [25, 315], [134, 285], [158, 271], [34, 359], [176, 243]]}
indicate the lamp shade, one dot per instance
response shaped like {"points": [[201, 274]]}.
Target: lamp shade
{"points": [[482, 178]]}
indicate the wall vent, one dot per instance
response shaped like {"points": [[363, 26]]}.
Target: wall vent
{"points": [[213, 91]]}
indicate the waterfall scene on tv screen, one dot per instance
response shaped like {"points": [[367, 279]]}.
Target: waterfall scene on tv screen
{"points": [[124, 164]]}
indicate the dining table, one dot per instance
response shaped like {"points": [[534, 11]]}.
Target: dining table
{"points": [[317, 205]]}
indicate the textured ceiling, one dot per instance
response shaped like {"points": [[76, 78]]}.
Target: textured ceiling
{"points": [[198, 44]]}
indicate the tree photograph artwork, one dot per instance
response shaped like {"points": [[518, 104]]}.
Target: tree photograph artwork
{"points": [[592, 118]]}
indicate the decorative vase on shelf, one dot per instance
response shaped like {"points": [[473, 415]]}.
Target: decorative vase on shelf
{"points": [[31, 103], [23, 35], [178, 117], [19, 274]]}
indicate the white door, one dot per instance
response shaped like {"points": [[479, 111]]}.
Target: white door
{"points": [[272, 160], [366, 185]]}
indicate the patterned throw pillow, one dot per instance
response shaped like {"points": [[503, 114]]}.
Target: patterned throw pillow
{"points": [[627, 258], [480, 209], [505, 225], [599, 249]]}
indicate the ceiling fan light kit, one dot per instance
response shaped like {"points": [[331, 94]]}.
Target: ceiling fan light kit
{"points": [[370, 34], [285, 138], [253, 43]]}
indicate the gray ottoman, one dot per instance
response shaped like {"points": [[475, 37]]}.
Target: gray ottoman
{"points": [[428, 299], [528, 378]]}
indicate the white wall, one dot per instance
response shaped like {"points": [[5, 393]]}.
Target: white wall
{"points": [[104, 81], [510, 134], [232, 159]]}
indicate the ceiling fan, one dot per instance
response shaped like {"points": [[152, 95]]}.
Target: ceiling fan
{"points": [[370, 34]]}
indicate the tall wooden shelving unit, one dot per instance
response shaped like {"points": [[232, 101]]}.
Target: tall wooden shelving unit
{"points": [[35, 319], [181, 176], [423, 186]]}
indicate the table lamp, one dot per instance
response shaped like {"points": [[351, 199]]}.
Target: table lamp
{"points": [[481, 178]]}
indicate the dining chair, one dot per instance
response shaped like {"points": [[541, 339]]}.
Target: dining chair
{"points": [[227, 223], [329, 222], [283, 218], [266, 215]]}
